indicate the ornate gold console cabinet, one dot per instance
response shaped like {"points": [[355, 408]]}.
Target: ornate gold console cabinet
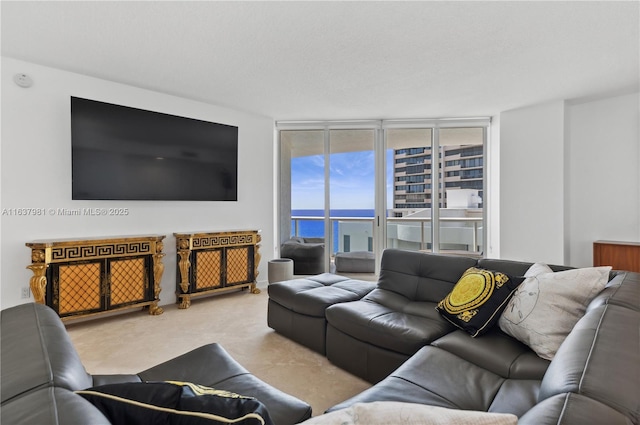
{"points": [[210, 262], [79, 277]]}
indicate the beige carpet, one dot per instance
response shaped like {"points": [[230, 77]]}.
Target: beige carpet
{"points": [[135, 341]]}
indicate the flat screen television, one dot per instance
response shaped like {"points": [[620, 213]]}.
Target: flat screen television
{"points": [[124, 153]]}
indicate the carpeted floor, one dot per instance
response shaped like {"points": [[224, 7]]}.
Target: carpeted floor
{"points": [[135, 341]]}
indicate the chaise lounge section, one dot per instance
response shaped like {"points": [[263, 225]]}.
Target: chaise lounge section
{"points": [[297, 307]]}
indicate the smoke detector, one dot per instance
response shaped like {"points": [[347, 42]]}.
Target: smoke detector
{"points": [[23, 80]]}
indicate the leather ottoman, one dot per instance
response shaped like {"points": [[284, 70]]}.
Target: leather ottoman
{"points": [[296, 307], [355, 262]]}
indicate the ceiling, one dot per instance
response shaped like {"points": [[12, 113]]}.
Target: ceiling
{"points": [[300, 60]]}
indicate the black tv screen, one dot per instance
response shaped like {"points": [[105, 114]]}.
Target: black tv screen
{"points": [[124, 153]]}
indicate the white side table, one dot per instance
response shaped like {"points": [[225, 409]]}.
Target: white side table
{"points": [[280, 269]]}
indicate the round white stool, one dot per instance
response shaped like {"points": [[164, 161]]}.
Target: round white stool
{"points": [[280, 269]]}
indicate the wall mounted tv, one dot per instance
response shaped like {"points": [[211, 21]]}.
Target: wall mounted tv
{"points": [[123, 153]]}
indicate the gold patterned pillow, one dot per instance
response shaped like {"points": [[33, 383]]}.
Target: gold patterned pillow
{"points": [[477, 300]]}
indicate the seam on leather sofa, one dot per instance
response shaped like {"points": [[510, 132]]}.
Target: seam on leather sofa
{"points": [[513, 363], [427, 390], [600, 397], [45, 352], [587, 362], [564, 408]]}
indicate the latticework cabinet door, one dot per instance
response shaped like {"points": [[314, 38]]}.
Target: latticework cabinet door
{"points": [[207, 270], [128, 281], [78, 288], [239, 265]]}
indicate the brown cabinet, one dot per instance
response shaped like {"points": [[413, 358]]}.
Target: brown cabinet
{"points": [[619, 255], [211, 262], [78, 277]]}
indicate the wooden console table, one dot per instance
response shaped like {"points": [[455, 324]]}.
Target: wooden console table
{"points": [[211, 262], [619, 255], [78, 277]]}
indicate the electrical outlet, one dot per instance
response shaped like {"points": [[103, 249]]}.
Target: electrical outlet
{"points": [[25, 292]]}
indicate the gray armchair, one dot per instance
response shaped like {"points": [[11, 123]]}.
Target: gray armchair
{"points": [[307, 254]]}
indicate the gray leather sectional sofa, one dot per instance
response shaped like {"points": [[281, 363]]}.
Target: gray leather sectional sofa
{"points": [[41, 371], [395, 338]]}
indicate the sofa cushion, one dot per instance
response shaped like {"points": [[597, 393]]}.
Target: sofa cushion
{"points": [[476, 301], [515, 360], [571, 408], [547, 305], [388, 320], [394, 412], [313, 295], [600, 359], [436, 377], [174, 402], [420, 276]]}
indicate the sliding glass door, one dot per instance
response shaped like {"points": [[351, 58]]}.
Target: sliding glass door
{"points": [[409, 188], [327, 192], [435, 188], [364, 186], [352, 198], [461, 165], [302, 185]]}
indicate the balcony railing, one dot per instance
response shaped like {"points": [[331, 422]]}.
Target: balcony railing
{"points": [[457, 234]]}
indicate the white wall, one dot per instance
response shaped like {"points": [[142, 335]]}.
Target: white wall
{"points": [[569, 175], [604, 174], [36, 172], [531, 183]]}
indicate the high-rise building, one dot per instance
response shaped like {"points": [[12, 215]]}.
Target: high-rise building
{"points": [[461, 167]]}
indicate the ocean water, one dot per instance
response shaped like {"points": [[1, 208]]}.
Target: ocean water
{"points": [[315, 228]]}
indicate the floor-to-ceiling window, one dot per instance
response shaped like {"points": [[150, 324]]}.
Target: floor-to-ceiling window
{"points": [[351, 190], [327, 186], [435, 188], [366, 186], [302, 184]]}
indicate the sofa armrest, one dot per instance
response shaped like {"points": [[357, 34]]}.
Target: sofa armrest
{"points": [[211, 366], [51, 406], [114, 379]]}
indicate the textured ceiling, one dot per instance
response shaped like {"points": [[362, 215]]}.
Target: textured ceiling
{"points": [[340, 60]]}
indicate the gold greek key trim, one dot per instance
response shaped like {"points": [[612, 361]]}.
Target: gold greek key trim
{"points": [[195, 241], [86, 252]]}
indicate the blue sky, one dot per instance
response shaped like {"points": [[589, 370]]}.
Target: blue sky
{"points": [[352, 181]]}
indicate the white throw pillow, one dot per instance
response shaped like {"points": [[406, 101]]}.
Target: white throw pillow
{"points": [[547, 305], [395, 412]]}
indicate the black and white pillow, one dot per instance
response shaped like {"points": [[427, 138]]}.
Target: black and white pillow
{"points": [[171, 402], [477, 300]]}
